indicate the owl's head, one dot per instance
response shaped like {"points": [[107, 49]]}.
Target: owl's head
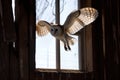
{"points": [[56, 30]]}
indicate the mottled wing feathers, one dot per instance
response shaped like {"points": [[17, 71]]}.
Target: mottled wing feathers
{"points": [[42, 28], [75, 27], [70, 21], [76, 22], [88, 15]]}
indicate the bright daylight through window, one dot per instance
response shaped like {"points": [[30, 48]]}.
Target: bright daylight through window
{"points": [[46, 45]]}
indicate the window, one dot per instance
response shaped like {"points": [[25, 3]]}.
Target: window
{"points": [[69, 59], [50, 53], [45, 46]]}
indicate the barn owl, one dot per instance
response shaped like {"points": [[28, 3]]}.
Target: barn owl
{"points": [[75, 21]]}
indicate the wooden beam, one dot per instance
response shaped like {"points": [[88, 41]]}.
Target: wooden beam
{"points": [[22, 26], [9, 33]]}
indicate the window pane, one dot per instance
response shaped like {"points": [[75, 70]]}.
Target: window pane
{"points": [[69, 59], [45, 46]]}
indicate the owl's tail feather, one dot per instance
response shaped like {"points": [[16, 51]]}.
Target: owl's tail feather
{"points": [[71, 40]]}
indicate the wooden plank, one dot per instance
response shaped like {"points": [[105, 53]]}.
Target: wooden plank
{"points": [[32, 38], [14, 63], [112, 34], [4, 61], [25, 24], [4, 55], [97, 40], [22, 24], [9, 32], [9, 68]]}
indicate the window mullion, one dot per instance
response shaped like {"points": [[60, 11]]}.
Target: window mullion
{"points": [[57, 9], [80, 45]]}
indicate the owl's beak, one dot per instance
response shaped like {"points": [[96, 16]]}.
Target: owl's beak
{"points": [[55, 31]]}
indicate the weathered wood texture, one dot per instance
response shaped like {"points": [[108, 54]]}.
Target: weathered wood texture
{"points": [[17, 40], [7, 20], [8, 58], [63, 76], [97, 35], [25, 25], [112, 39], [106, 40]]}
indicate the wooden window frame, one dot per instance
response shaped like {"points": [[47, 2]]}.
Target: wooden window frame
{"points": [[84, 46]]}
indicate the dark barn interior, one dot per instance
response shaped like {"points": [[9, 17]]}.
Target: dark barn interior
{"points": [[17, 43]]}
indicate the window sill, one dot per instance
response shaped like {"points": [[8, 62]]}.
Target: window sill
{"points": [[57, 71]]}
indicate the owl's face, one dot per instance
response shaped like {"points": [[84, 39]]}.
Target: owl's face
{"points": [[56, 30]]}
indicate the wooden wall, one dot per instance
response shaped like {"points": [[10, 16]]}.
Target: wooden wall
{"points": [[106, 40], [17, 53], [112, 39], [63, 76], [9, 68], [17, 40]]}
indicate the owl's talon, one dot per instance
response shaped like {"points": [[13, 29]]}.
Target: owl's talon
{"points": [[65, 48], [69, 48]]}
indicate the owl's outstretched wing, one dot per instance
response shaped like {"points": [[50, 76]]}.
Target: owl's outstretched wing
{"points": [[42, 28], [80, 18]]}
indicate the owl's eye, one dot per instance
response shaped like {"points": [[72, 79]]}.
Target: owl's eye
{"points": [[52, 29], [56, 29]]}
